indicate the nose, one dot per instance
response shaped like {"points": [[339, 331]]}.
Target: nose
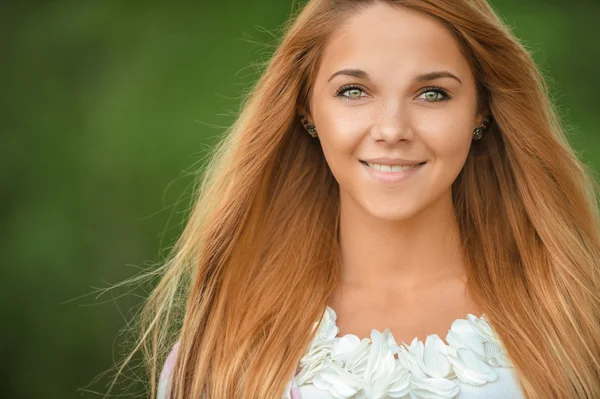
{"points": [[392, 124]]}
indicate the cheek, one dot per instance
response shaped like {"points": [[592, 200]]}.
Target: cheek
{"points": [[340, 139], [449, 146], [339, 151]]}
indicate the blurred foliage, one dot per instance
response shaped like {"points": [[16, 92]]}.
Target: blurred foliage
{"points": [[106, 106]]}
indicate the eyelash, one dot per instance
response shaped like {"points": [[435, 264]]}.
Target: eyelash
{"points": [[436, 89]]}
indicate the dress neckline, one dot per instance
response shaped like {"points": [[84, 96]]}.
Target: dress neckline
{"points": [[469, 317], [347, 365]]}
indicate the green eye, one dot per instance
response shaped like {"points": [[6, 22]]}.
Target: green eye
{"points": [[435, 94], [353, 91], [432, 95]]}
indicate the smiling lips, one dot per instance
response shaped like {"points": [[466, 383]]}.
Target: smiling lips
{"points": [[391, 168], [391, 161], [395, 171]]}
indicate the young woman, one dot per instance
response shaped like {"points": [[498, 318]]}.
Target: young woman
{"points": [[396, 213]]}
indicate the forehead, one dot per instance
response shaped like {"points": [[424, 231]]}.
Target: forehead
{"points": [[392, 42]]}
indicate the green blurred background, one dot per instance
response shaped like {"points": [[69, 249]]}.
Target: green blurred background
{"points": [[106, 109]]}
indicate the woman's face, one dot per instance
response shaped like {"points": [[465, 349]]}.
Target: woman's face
{"points": [[407, 95]]}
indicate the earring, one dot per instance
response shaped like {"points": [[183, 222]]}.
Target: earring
{"points": [[478, 132], [310, 128]]}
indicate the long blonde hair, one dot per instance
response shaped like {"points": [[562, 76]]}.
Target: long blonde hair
{"points": [[258, 259]]}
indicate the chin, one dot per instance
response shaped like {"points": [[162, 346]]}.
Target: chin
{"points": [[393, 213]]}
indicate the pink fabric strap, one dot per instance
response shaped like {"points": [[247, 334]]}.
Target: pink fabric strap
{"points": [[164, 381]]}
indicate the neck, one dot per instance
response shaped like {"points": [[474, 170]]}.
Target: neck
{"points": [[393, 255]]}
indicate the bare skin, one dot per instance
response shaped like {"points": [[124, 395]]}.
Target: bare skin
{"points": [[432, 312], [401, 263]]}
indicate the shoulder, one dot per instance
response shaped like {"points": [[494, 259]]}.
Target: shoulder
{"points": [[165, 374], [164, 383]]}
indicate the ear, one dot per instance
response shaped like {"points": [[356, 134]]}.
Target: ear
{"points": [[483, 116], [302, 111]]}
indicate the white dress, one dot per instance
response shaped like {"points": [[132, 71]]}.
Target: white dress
{"points": [[472, 365]]}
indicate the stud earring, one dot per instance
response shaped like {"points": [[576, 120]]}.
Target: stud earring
{"points": [[310, 128]]}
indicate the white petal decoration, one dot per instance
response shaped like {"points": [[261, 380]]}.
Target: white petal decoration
{"points": [[314, 360], [385, 376], [430, 359], [469, 368], [378, 368], [500, 359], [463, 334], [339, 382], [352, 353]]}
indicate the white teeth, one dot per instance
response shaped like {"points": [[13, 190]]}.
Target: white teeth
{"points": [[390, 168]]}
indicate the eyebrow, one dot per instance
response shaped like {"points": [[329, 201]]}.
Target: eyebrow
{"points": [[359, 73]]}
